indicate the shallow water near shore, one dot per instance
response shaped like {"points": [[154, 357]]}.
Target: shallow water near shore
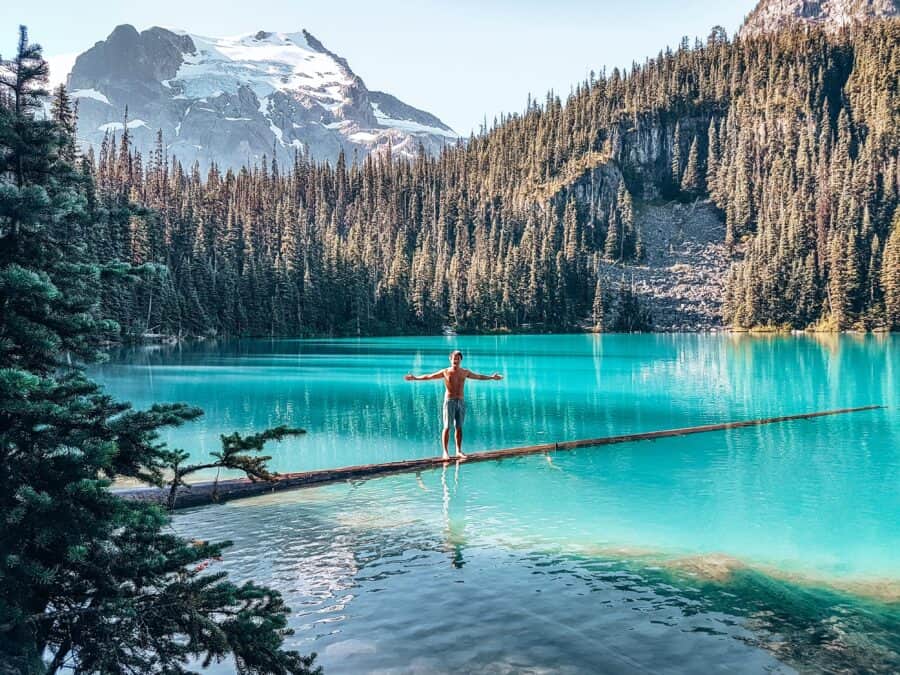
{"points": [[457, 570], [757, 549]]}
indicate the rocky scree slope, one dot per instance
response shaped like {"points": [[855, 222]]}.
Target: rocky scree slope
{"points": [[681, 279]]}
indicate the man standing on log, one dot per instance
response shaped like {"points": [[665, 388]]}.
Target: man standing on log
{"points": [[454, 379]]}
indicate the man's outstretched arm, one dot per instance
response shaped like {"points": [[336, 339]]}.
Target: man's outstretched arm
{"points": [[419, 378], [477, 376]]}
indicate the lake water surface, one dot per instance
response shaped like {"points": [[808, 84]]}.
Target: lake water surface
{"points": [[759, 549]]}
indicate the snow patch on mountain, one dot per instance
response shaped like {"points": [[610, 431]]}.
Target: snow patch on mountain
{"points": [[363, 137], [409, 125], [266, 62], [90, 93], [119, 126]]}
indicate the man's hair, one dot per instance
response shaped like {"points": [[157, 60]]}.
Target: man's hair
{"points": [[455, 352]]}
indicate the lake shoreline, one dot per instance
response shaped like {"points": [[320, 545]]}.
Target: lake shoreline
{"points": [[161, 339]]}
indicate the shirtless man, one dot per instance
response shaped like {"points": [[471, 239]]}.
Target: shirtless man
{"points": [[454, 379]]}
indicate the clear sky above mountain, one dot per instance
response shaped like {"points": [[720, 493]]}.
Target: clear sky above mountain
{"points": [[463, 60]]}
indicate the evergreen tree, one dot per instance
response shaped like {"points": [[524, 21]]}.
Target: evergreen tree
{"points": [[676, 163], [88, 581], [625, 210], [631, 315], [612, 249], [570, 230], [598, 312], [690, 181], [65, 114], [890, 274], [712, 160], [639, 251], [839, 289]]}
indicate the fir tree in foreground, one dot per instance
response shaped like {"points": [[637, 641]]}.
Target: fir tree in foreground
{"points": [[88, 581]]}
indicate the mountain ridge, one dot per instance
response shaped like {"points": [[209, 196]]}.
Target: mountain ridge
{"points": [[770, 16], [232, 100]]}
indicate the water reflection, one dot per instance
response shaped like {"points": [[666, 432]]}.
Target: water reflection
{"points": [[454, 513]]}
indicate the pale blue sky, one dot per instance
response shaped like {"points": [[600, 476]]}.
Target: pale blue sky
{"points": [[460, 61]]}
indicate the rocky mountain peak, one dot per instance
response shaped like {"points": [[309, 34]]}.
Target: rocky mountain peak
{"points": [[773, 15], [231, 100]]}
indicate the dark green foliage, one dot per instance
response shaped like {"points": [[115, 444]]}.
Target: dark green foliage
{"points": [[598, 309], [676, 161], [890, 275], [615, 239], [631, 315], [690, 180], [639, 251], [712, 160], [90, 582], [65, 114]]}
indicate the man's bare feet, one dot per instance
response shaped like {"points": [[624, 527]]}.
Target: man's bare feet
{"points": [[445, 457], [460, 456]]}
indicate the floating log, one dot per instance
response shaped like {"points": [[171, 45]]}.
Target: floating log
{"points": [[199, 494]]}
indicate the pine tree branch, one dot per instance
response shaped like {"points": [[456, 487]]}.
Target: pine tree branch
{"points": [[234, 456]]}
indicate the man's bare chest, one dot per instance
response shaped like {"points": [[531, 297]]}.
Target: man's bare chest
{"points": [[455, 379]]}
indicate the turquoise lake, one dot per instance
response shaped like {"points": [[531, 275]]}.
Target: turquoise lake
{"points": [[762, 549]]}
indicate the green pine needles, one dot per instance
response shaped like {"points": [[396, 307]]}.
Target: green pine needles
{"points": [[90, 582], [233, 456]]}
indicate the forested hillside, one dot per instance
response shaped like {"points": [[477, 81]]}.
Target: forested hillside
{"points": [[794, 137]]}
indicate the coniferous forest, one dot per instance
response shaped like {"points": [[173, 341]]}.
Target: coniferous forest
{"points": [[793, 137]]}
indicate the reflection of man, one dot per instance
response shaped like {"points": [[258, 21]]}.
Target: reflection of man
{"points": [[455, 523], [454, 379]]}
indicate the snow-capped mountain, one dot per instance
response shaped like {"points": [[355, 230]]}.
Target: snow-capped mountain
{"points": [[232, 100], [773, 15]]}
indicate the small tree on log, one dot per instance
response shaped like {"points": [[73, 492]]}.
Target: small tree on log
{"points": [[233, 456]]}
